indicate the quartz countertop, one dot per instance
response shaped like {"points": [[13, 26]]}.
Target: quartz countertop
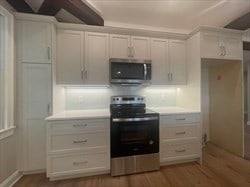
{"points": [[80, 114], [105, 113], [173, 110]]}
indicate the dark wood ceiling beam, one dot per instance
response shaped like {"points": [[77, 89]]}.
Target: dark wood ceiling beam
{"points": [[20, 6], [241, 23], [83, 12], [50, 7]]}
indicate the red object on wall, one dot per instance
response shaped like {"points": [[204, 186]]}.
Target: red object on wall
{"points": [[219, 77]]}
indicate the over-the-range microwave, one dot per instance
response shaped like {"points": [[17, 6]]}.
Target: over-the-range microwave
{"points": [[130, 71]]}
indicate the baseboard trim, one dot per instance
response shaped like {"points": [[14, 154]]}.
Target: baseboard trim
{"points": [[12, 179], [30, 172]]}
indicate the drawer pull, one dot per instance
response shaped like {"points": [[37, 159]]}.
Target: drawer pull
{"points": [[80, 125], [80, 141], [181, 119], [80, 163], [180, 151], [180, 133]]}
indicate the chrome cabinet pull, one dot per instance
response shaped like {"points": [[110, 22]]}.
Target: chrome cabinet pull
{"points": [[49, 54], [180, 119], [180, 151], [79, 163], [80, 141], [180, 133], [145, 71], [80, 125]]}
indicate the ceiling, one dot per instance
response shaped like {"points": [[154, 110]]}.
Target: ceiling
{"points": [[164, 15]]}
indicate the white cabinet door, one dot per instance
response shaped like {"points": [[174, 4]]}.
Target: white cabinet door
{"points": [[96, 58], [119, 46], [210, 46], [35, 40], [160, 62], [140, 47], [233, 47], [36, 86], [177, 54], [70, 57]]}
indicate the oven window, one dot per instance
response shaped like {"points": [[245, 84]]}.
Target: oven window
{"points": [[134, 134]]}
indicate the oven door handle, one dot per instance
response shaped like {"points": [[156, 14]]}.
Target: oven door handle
{"points": [[145, 71], [134, 119]]}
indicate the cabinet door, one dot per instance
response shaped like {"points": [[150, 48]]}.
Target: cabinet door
{"points": [[233, 47], [177, 54], [119, 46], [70, 60], [96, 58], [36, 86], [160, 66], [140, 47], [35, 42], [210, 46]]}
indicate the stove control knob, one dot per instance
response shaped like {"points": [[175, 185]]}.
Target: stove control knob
{"points": [[142, 98], [151, 142]]}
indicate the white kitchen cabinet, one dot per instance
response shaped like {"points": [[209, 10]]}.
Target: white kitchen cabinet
{"points": [[96, 58], [180, 138], [36, 101], [168, 61], [119, 46], [78, 147], [35, 42], [177, 62], [160, 61], [70, 57], [216, 45], [125, 46]]}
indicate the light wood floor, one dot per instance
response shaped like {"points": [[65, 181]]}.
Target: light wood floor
{"points": [[219, 168]]}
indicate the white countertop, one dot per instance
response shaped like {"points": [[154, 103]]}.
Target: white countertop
{"points": [[173, 110], [104, 113], [80, 114]]}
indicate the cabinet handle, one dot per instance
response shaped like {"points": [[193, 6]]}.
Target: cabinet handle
{"points": [[180, 151], [129, 52], [49, 54], [171, 76], [180, 119], [82, 74], [79, 163], [168, 76], [133, 51], [180, 133], [48, 108], [80, 125], [80, 141]]}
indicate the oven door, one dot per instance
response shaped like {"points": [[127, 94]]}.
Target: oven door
{"points": [[134, 136]]}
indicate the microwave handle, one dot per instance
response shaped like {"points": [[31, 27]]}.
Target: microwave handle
{"points": [[145, 71]]}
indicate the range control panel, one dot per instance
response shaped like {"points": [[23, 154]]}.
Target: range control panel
{"points": [[127, 99]]}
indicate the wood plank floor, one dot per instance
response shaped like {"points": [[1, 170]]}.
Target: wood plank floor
{"points": [[219, 168]]}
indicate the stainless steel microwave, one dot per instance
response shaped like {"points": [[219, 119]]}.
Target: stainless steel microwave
{"points": [[130, 71]]}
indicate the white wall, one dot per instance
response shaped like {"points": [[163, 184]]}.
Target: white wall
{"points": [[90, 98]]}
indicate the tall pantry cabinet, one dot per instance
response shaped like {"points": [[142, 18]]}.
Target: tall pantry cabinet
{"points": [[34, 97]]}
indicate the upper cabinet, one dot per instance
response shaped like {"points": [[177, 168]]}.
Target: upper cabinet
{"points": [[221, 46], [96, 58], [82, 57], [124, 46], [168, 62], [36, 36], [70, 57]]}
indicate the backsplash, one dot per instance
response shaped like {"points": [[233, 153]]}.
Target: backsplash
{"points": [[78, 98]]}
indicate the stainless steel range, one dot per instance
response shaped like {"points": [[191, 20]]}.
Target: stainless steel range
{"points": [[134, 136]]}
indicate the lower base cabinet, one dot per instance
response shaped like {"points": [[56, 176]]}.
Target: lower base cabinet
{"points": [[80, 148]]}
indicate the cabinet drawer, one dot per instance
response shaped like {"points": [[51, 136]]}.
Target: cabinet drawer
{"points": [[77, 141], [179, 132], [179, 149], [78, 125], [180, 119], [79, 163]]}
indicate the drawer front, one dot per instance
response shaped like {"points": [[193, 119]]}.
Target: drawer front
{"points": [[180, 119], [179, 132], [177, 149], [79, 163], [78, 125], [77, 141]]}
